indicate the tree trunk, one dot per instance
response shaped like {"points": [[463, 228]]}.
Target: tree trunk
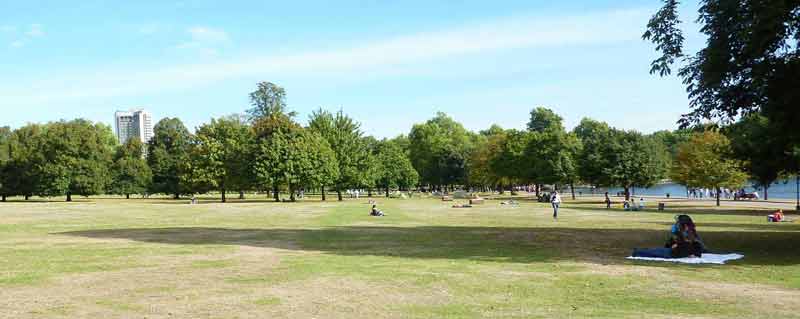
{"points": [[766, 195], [339, 194], [241, 194], [4, 198], [223, 196], [69, 197], [538, 189], [717, 196], [627, 193], [572, 188], [291, 194], [275, 194], [176, 196], [127, 196], [387, 191], [323, 193], [27, 197], [369, 192]]}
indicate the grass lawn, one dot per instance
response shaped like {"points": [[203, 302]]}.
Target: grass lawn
{"points": [[160, 259]]}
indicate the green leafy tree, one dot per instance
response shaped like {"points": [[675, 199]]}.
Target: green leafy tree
{"points": [[168, 158], [487, 145], [295, 158], [346, 139], [21, 173], [759, 146], [268, 100], [439, 149], [749, 62], [596, 152], [371, 173], [130, 173], [554, 158], [707, 160], [509, 161], [636, 160], [5, 158], [544, 119], [394, 168], [269, 131], [673, 139], [76, 159], [221, 154]]}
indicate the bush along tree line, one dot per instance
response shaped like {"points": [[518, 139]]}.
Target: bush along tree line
{"points": [[268, 150]]}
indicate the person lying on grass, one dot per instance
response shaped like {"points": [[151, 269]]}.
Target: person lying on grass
{"points": [[685, 245], [375, 211]]}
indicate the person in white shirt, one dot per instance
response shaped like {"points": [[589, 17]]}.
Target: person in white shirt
{"points": [[555, 199]]}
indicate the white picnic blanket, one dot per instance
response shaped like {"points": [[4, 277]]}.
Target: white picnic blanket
{"points": [[718, 259]]}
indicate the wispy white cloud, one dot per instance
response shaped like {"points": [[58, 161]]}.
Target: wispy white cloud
{"points": [[17, 44], [35, 30], [505, 34]]}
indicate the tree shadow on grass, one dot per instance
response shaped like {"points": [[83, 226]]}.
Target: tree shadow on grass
{"points": [[676, 210], [765, 226], [499, 244]]}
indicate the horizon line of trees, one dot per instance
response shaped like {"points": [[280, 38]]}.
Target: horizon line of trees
{"points": [[268, 150]]}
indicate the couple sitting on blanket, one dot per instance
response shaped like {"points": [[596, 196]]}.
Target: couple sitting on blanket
{"points": [[683, 242]]}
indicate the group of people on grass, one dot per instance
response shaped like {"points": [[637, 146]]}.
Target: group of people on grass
{"points": [[627, 204]]}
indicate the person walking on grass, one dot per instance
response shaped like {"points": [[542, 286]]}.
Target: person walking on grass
{"points": [[555, 199], [608, 201]]}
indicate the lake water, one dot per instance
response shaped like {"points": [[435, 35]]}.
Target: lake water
{"points": [[782, 189]]}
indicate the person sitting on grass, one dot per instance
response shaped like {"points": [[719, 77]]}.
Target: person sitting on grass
{"points": [[775, 217], [686, 245], [684, 227], [375, 211]]}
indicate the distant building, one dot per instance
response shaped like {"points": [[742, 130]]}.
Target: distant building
{"points": [[133, 124]]}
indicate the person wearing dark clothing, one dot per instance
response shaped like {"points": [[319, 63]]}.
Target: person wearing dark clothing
{"points": [[685, 245], [684, 227], [608, 201], [375, 211]]}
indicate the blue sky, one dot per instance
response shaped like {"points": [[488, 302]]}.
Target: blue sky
{"points": [[389, 64]]}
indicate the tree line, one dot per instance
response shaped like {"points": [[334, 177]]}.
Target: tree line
{"points": [[266, 149]]}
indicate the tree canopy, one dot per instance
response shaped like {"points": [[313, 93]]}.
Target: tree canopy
{"points": [[707, 161], [221, 154], [72, 158], [268, 100], [635, 160], [130, 173], [168, 158], [439, 149], [345, 138], [759, 146], [749, 63]]}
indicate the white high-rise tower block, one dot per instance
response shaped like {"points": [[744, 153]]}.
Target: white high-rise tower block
{"points": [[133, 123]]}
